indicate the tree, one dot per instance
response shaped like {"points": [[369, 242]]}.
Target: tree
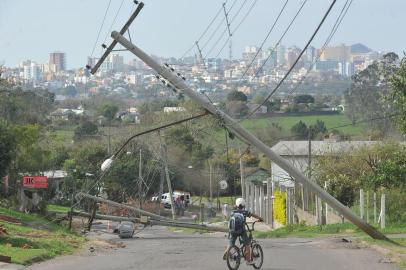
{"points": [[303, 99], [7, 146], [370, 94], [300, 130], [70, 90], [318, 128], [236, 96], [398, 84], [237, 108], [85, 129], [108, 111]]}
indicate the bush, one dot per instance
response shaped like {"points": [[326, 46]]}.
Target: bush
{"points": [[279, 207]]}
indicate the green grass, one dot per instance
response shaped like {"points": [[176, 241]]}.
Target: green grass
{"points": [[299, 230], [36, 239], [64, 135], [286, 122], [223, 199], [58, 208]]}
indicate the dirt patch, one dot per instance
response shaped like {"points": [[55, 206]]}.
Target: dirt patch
{"points": [[10, 219]]}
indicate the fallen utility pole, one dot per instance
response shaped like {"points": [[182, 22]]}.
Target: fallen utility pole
{"points": [[139, 211], [153, 222], [180, 85]]}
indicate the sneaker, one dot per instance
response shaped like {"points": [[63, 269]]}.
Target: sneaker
{"points": [[225, 256], [250, 263]]}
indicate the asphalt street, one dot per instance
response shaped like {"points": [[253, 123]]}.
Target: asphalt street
{"points": [[158, 248]]}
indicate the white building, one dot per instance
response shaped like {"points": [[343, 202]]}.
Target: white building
{"points": [[297, 153]]}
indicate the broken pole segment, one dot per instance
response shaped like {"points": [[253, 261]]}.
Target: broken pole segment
{"points": [[114, 43], [139, 211], [249, 137]]}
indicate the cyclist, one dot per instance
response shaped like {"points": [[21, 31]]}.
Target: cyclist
{"points": [[237, 229]]}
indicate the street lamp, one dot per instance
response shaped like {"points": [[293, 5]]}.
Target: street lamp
{"points": [[107, 163]]}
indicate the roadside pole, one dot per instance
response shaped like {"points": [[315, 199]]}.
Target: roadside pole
{"points": [[168, 179], [140, 181], [242, 174], [179, 84]]}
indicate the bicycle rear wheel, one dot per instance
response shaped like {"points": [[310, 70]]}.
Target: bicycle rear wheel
{"points": [[233, 258], [257, 256]]}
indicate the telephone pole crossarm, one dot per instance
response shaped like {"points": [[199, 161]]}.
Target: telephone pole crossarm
{"points": [[180, 84], [114, 43]]}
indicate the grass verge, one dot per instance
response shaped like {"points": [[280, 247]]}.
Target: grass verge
{"points": [[300, 230], [394, 252], [36, 239]]}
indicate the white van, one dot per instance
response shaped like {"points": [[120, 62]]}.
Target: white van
{"points": [[166, 202]]}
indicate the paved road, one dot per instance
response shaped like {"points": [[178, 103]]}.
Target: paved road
{"points": [[157, 248]]}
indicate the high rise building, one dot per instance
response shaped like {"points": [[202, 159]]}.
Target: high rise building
{"points": [[57, 61], [280, 54], [340, 53]]}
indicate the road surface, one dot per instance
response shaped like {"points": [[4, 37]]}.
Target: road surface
{"points": [[158, 248]]}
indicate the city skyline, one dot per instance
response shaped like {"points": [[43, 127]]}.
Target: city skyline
{"points": [[75, 26]]}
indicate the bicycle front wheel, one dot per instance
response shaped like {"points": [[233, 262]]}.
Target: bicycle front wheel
{"points": [[233, 258], [257, 256]]}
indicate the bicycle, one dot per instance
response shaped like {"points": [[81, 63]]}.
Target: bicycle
{"points": [[235, 253]]}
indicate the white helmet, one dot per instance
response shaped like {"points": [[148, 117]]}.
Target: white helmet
{"points": [[240, 203]]}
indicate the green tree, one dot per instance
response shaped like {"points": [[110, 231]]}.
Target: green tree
{"points": [[85, 129], [370, 94], [7, 146], [70, 90], [398, 84], [236, 96], [108, 111], [303, 99], [318, 128], [300, 130]]}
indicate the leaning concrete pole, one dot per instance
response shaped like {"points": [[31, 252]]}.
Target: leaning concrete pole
{"points": [[232, 124]]}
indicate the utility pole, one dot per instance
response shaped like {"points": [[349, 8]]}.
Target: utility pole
{"points": [[140, 195], [242, 174], [200, 54], [230, 44], [179, 84], [210, 183], [168, 179], [108, 140]]}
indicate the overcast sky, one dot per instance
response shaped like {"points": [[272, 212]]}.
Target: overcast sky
{"points": [[31, 29]]}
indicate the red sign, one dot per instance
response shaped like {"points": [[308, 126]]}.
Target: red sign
{"points": [[35, 181]]}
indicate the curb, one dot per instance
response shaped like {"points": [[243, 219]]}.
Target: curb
{"points": [[10, 266]]}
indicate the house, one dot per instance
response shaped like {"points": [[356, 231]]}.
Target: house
{"points": [[66, 114], [174, 109], [297, 153], [55, 178], [257, 176]]}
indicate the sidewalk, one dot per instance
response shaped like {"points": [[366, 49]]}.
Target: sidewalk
{"points": [[10, 266]]}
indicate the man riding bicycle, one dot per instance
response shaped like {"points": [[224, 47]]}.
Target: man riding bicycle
{"points": [[237, 229]]}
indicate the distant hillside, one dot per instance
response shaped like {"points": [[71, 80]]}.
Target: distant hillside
{"points": [[360, 48]]}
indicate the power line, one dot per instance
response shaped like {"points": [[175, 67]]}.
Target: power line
{"points": [[232, 33], [297, 60], [265, 39], [237, 27], [101, 27], [218, 27], [114, 20], [280, 39], [204, 32], [340, 18]]}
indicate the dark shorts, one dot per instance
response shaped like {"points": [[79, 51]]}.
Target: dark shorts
{"points": [[245, 240]]}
